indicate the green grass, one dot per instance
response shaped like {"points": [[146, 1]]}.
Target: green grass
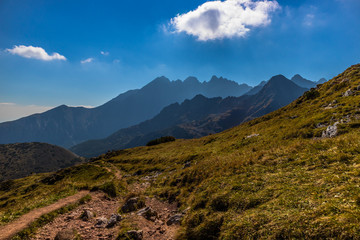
{"points": [[22, 195], [285, 183]]}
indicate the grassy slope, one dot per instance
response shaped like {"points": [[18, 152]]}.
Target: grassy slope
{"points": [[19, 196], [285, 183]]}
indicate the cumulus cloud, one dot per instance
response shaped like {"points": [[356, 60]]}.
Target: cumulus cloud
{"points": [[88, 60], [35, 53], [224, 19], [13, 111], [104, 53]]}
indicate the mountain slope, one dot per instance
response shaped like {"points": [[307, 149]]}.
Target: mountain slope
{"points": [[198, 117], [22, 159], [280, 176], [67, 126]]}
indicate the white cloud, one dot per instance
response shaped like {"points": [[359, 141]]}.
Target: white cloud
{"points": [[84, 106], [309, 19], [104, 53], [12, 111], [34, 52], [224, 19], [88, 60]]}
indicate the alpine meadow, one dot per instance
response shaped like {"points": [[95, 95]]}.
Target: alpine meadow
{"points": [[260, 140]]}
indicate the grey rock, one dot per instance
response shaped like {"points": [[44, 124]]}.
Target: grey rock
{"points": [[348, 93], [331, 131], [132, 204], [135, 235], [253, 135], [175, 219], [87, 215], [101, 222], [320, 125], [148, 213], [114, 219]]}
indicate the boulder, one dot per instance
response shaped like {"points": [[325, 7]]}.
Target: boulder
{"points": [[101, 222], [348, 93], [87, 215], [135, 235], [114, 219], [132, 204], [148, 213], [66, 234], [175, 219], [331, 131], [253, 135]]}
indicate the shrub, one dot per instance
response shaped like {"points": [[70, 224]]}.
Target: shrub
{"points": [[311, 94], [109, 188], [160, 140]]}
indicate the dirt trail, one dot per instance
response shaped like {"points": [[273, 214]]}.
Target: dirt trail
{"points": [[9, 230], [100, 205], [114, 171]]}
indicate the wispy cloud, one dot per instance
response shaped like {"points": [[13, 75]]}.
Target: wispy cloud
{"points": [[88, 60], [12, 111], [224, 19], [84, 106], [309, 19], [35, 53], [104, 53]]}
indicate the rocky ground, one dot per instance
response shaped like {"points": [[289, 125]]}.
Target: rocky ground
{"points": [[147, 217]]}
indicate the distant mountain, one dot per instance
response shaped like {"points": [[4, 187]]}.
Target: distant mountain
{"points": [[303, 82], [321, 81], [256, 89], [198, 117], [66, 126], [297, 79], [22, 159]]}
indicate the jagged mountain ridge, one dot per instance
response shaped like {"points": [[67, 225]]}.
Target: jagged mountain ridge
{"points": [[198, 117], [66, 126]]}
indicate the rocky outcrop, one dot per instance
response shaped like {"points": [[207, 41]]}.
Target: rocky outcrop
{"points": [[331, 131], [87, 215], [148, 213], [132, 204], [101, 222], [348, 93], [114, 219], [175, 219]]}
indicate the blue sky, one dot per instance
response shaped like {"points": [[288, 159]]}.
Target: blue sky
{"points": [[87, 52]]}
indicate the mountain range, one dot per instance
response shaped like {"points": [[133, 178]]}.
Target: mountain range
{"points": [[198, 117], [67, 126]]}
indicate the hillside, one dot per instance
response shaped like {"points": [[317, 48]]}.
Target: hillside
{"points": [[22, 159], [66, 126], [198, 117], [291, 174]]}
